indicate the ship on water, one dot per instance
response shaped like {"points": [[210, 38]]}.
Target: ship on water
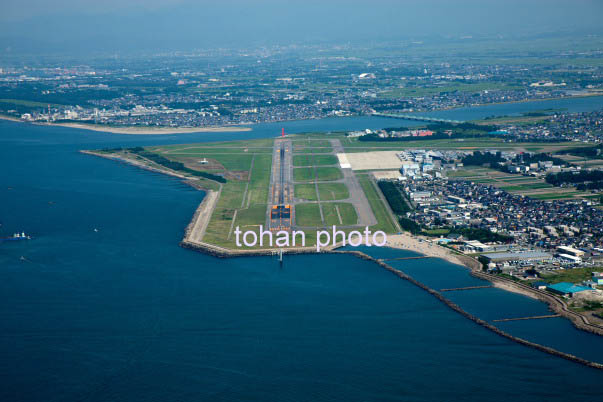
{"points": [[16, 237]]}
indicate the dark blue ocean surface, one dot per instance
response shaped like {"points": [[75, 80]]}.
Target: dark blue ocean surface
{"points": [[124, 314], [493, 304]]}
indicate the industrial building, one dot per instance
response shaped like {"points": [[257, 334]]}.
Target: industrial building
{"points": [[570, 251], [519, 256], [567, 289]]}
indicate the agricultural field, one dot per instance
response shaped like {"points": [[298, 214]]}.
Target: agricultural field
{"points": [[555, 196], [417, 91], [584, 162], [534, 187]]}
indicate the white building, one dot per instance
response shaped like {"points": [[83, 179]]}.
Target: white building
{"points": [[570, 251]]}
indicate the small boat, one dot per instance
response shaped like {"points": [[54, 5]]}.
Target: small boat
{"points": [[16, 237]]}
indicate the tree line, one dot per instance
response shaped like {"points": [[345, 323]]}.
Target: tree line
{"points": [[394, 197], [557, 179], [595, 152], [440, 132], [170, 164]]}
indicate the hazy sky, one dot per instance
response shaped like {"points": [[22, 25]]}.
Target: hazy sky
{"points": [[113, 25]]}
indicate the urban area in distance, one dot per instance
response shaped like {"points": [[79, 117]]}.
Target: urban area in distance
{"points": [[401, 201]]}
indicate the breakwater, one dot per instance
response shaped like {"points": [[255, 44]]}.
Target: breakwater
{"points": [[192, 240], [535, 317], [201, 217], [473, 318], [136, 163], [556, 304], [224, 253], [465, 288]]}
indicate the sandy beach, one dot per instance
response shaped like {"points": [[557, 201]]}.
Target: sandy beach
{"points": [[9, 118], [421, 245], [509, 287], [138, 130], [582, 321]]}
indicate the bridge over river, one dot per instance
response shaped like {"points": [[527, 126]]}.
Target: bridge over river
{"points": [[416, 118]]}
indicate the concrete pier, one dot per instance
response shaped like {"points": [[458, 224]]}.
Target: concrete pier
{"points": [[466, 288], [418, 257], [536, 317]]}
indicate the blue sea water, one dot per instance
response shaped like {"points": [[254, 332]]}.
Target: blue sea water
{"points": [[494, 304], [124, 314]]}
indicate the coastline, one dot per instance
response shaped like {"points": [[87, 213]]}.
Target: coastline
{"points": [[455, 307], [405, 241], [418, 244], [558, 305], [139, 165], [195, 230], [135, 130], [193, 239], [9, 118], [138, 130]]}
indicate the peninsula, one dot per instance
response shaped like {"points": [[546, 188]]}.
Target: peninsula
{"points": [[134, 130], [310, 182]]}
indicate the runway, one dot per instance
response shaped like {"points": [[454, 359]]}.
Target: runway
{"points": [[280, 212]]}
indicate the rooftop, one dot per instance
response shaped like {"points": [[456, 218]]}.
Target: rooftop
{"points": [[522, 255], [566, 287]]}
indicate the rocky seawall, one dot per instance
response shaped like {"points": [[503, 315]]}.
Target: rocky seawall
{"points": [[475, 319]]}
